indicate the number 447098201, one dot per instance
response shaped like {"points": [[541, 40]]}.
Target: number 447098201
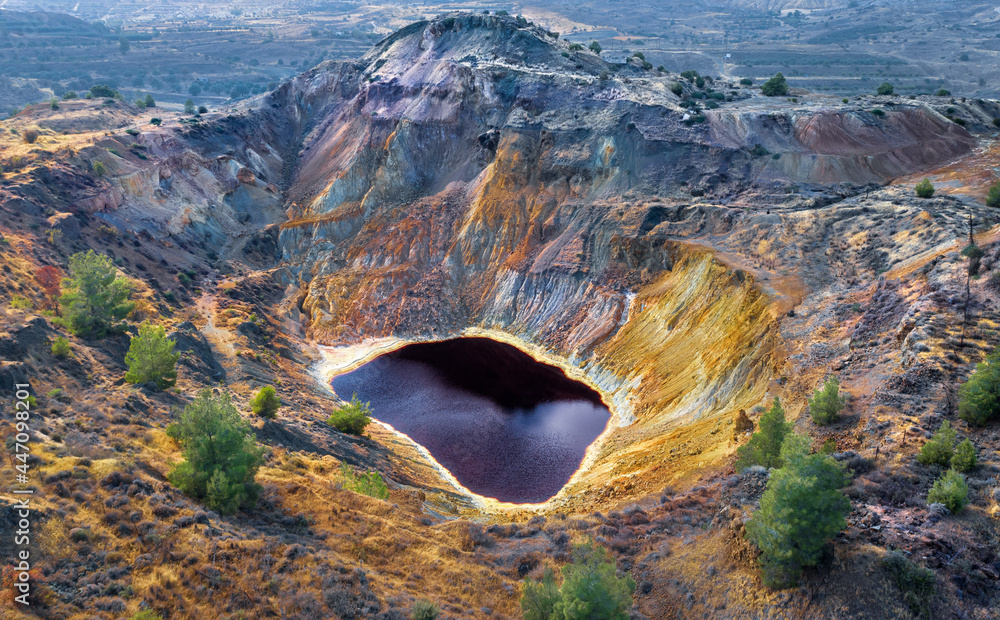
{"points": [[22, 413]]}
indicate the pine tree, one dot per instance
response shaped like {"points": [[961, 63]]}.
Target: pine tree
{"points": [[94, 299], [591, 588], [351, 418], [964, 459], [800, 512], [151, 357], [825, 405], [221, 494], [979, 397], [939, 449], [539, 598], [924, 189], [266, 403], [993, 195], [215, 439], [951, 490], [764, 447], [775, 87]]}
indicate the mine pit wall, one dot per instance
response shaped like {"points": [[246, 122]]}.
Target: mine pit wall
{"points": [[526, 251], [697, 343], [833, 146]]}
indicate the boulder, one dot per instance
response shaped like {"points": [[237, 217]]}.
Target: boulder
{"points": [[741, 423]]}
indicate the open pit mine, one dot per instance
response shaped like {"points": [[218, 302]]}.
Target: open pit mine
{"points": [[569, 291]]}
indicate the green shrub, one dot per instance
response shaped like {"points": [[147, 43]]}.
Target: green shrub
{"points": [[369, 483], [942, 92], [149, 101], [424, 610], [764, 447], [595, 47], [993, 195], [61, 347], [80, 535], [979, 397], [950, 489], [146, 614], [746, 82], [916, 582], [156, 122], [189, 107], [151, 357], [825, 405], [95, 299], [924, 189], [69, 94], [800, 512], [539, 598], [939, 449], [54, 103], [964, 459], [677, 89], [202, 109], [885, 88], [775, 87], [221, 458], [266, 403], [878, 112], [20, 302], [99, 168], [103, 90], [352, 418], [575, 47], [975, 254], [591, 588]]}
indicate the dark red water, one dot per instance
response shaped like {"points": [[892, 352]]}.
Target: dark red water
{"points": [[504, 424]]}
